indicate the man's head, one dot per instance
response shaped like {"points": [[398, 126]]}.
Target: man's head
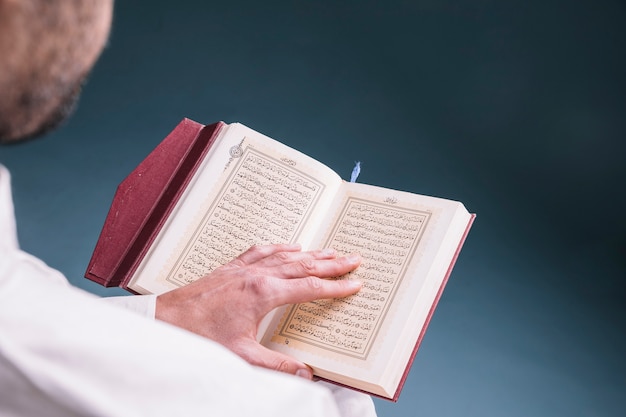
{"points": [[47, 48]]}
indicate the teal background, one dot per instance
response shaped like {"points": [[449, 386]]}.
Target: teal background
{"points": [[516, 108]]}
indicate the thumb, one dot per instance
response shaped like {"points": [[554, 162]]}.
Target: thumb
{"points": [[259, 355]]}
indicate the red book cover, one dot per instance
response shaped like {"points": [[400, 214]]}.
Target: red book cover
{"points": [[144, 200]]}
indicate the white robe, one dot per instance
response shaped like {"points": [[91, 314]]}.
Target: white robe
{"points": [[63, 352]]}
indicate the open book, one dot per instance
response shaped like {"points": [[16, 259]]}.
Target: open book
{"points": [[207, 193]]}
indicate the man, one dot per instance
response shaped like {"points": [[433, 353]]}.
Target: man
{"points": [[64, 352]]}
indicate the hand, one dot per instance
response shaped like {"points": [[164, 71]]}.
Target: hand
{"points": [[228, 304]]}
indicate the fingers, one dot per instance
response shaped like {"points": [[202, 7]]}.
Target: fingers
{"points": [[279, 255], [294, 277], [259, 252], [302, 290], [281, 259], [259, 355], [318, 267], [300, 278], [275, 275]]}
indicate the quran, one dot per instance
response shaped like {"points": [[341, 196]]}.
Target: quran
{"points": [[208, 193]]}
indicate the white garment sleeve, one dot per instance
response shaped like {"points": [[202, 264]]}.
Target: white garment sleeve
{"points": [[141, 304], [62, 354], [351, 403], [8, 232]]}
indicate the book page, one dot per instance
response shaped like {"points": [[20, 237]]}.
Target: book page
{"points": [[266, 193], [358, 338], [387, 237]]}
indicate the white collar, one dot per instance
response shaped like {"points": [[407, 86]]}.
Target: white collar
{"points": [[8, 230]]}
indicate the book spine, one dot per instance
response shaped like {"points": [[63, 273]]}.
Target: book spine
{"points": [[166, 203], [144, 200]]}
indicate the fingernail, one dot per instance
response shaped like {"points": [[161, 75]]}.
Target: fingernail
{"points": [[304, 373], [354, 283], [328, 252], [354, 258]]}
